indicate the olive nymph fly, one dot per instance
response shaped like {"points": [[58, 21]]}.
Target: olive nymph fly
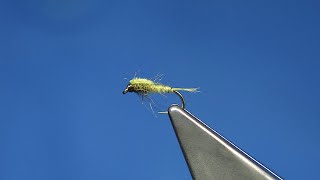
{"points": [[144, 87]]}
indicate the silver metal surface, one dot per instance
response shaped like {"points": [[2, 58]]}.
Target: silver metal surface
{"points": [[211, 156]]}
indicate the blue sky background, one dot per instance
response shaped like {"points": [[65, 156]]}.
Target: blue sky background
{"points": [[62, 70]]}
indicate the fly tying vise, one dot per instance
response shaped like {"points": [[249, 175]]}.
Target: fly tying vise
{"points": [[144, 87]]}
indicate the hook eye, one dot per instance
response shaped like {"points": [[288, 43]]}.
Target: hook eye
{"points": [[128, 89]]}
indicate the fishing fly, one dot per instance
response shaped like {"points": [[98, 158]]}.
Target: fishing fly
{"points": [[144, 87]]}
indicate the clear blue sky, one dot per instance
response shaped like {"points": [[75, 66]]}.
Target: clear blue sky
{"points": [[62, 70]]}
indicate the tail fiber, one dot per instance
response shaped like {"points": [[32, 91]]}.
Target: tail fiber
{"points": [[186, 89]]}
